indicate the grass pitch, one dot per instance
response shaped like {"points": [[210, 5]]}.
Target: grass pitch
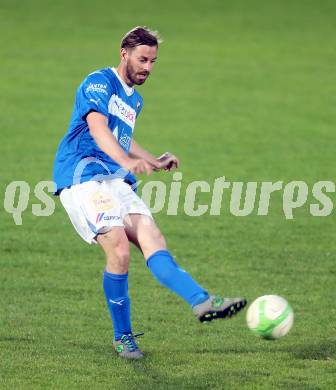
{"points": [[243, 90]]}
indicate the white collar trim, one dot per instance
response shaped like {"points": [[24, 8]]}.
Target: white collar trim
{"points": [[129, 90]]}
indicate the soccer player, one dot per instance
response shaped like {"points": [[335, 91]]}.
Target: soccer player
{"points": [[94, 173]]}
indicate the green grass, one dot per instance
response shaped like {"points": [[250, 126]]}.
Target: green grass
{"points": [[241, 89]]}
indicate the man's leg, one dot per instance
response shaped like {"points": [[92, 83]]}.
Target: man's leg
{"points": [[115, 278], [115, 283], [144, 233]]}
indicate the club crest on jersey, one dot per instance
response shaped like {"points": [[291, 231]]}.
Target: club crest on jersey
{"points": [[123, 111]]}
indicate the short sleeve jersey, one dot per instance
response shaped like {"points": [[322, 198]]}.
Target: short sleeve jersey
{"points": [[78, 158]]}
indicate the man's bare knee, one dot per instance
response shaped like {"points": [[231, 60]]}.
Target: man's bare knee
{"points": [[158, 237], [151, 240], [116, 247]]}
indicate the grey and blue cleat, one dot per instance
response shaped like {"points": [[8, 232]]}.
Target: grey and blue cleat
{"points": [[127, 348], [216, 307]]}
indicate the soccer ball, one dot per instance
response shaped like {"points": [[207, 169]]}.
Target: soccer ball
{"points": [[270, 317]]}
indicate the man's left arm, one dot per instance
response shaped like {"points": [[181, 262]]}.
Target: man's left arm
{"points": [[167, 161]]}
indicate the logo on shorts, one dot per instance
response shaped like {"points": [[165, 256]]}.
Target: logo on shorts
{"points": [[102, 217], [101, 202], [99, 217]]}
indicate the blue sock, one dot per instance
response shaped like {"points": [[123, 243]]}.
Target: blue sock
{"points": [[118, 302], [168, 273]]}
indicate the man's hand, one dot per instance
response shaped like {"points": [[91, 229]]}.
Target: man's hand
{"points": [[167, 162], [137, 166]]}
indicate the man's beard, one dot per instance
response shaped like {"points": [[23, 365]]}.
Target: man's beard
{"points": [[132, 75]]}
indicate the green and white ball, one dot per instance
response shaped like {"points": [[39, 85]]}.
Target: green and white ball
{"points": [[270, 317]]}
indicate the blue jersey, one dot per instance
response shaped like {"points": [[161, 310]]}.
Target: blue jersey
{"points": [[78, 158]]}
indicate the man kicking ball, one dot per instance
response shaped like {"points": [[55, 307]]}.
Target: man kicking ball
{"points": [[94, 173]]}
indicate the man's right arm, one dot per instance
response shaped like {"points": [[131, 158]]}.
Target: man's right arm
{"points": [[103, 137]]}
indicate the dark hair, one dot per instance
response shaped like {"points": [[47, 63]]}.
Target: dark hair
{"points": [[140, 36]]}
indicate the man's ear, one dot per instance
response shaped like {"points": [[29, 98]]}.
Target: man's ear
{"points": [[123, 54]]}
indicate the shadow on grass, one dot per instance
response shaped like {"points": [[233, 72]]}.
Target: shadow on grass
{"points": [[16, 339], [316, 350], [323, 350]]}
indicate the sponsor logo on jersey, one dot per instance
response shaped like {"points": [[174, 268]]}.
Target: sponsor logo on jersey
{"points": [[125, 140], [123, 111], [100, 88]]}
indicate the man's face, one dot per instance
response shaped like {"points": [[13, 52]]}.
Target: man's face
{"points": [[139, 63]]}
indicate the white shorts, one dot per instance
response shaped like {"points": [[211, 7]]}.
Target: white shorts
{"points": [[95, 207]]}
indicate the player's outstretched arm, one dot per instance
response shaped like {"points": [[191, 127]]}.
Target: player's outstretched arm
{"points": [[102, 135], [167, 161], [137, 151]]}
